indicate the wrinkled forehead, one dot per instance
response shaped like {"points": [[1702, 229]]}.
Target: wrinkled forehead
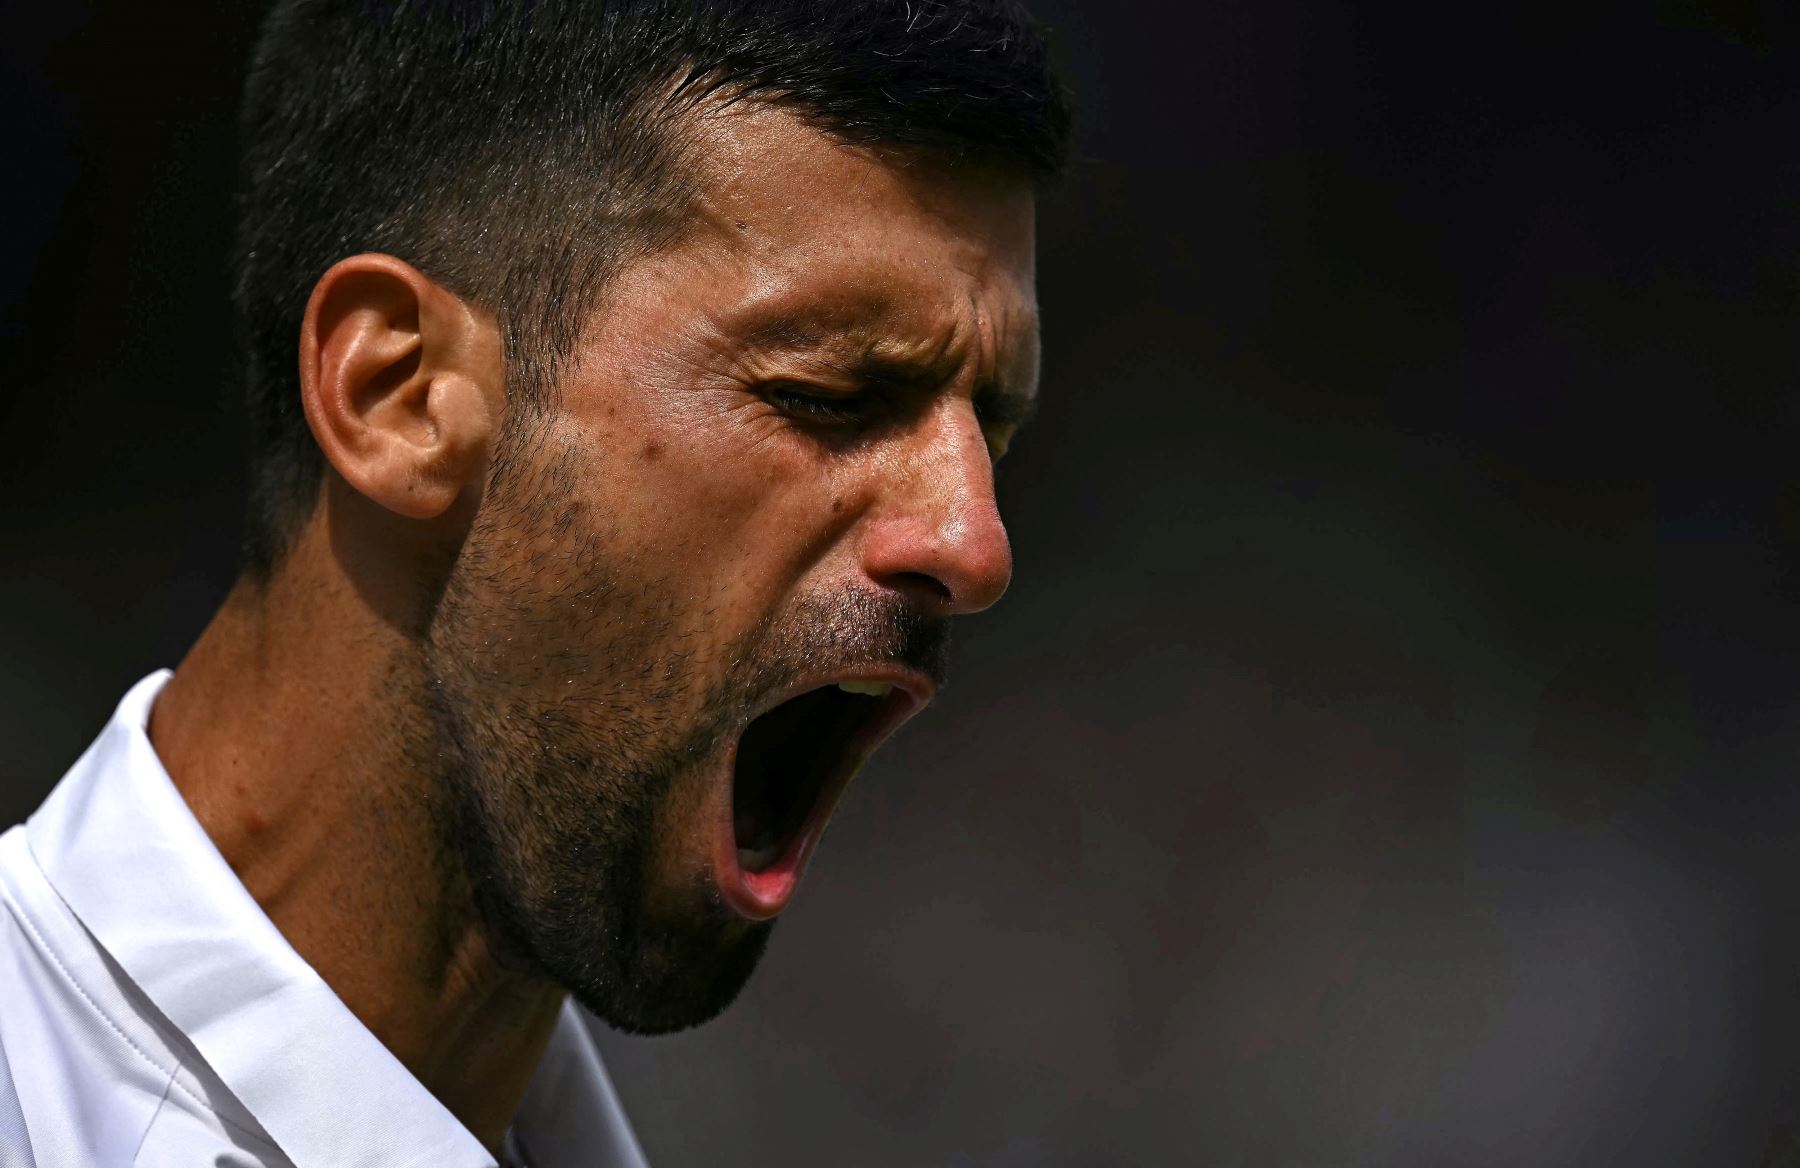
{"points": [[892, 254]]}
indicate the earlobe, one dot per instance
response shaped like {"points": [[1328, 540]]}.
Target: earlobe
{"points": [[400, 380]]}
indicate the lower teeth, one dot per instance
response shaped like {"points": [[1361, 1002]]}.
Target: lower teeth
{"points": [[756, 859]]}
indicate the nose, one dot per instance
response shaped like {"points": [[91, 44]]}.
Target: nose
{"points": [[937, 535]]}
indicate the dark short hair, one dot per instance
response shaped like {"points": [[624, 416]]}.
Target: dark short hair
{"points": [[516, 150]]}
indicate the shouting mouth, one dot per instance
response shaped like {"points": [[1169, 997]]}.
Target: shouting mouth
{"points": [[790, 765]]}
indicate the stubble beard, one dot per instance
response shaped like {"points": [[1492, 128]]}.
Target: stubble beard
{"points": [[557, 733]]}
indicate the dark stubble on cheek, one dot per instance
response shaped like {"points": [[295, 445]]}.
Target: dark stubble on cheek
{"points": [[559, 717]]}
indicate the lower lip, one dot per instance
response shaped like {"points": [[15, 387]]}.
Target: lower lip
{"points": [[760, 896]]}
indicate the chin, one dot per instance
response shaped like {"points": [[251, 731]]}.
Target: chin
{"points": [[654, 979], [602, 920], [672, 982]]}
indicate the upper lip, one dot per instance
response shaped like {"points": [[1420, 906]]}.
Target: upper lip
{"points": [[916, 685]]}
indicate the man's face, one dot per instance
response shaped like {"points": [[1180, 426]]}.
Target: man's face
{"points": [[717, 570]]}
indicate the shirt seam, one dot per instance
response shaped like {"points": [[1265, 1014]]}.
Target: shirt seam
{"points": [[138, 1152], [174, 1083]]}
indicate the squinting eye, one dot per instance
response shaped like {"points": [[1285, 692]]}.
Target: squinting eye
{"points": [[998, 436], [821, 406]]}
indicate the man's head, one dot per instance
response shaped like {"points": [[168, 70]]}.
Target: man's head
{"points": [[667, 409]]}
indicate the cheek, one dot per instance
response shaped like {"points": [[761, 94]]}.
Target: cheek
{"points": [[734, 495]]}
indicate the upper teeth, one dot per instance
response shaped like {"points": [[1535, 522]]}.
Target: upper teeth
{"points": [[874, 689]]}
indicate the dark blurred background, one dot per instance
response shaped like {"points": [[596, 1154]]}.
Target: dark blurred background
{"points": [[1386, 755]]}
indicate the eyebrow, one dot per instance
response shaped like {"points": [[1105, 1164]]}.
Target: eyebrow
{"points": [[871, 362], [851, 350]]}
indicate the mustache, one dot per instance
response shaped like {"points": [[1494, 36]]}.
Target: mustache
{"points": [[844, 631]]}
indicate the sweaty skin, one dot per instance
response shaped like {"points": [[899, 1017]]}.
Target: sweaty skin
{"points": [[780, 424]]}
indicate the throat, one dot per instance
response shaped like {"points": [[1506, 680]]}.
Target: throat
{"points": [[347, 865], [481, 1071]]}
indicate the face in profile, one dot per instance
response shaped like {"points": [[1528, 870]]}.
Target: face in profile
{"points": [[718, 566]]}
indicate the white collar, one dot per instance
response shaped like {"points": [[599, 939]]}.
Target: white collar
{"points": [[119, 844]]}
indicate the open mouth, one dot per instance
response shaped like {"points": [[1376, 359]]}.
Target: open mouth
{"points": [[791, 765]]}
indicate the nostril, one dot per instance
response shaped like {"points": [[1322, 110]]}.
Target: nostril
{"points": [[922, 585]]}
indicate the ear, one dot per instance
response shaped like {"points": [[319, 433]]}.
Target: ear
{"points": [[402, 382]]}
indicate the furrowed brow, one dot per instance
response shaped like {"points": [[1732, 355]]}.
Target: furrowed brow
{"points": [[888, 362], [793, 334], [854, 351]]}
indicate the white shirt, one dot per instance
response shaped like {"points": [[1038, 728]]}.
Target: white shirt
{"points": [[150, 1014]]}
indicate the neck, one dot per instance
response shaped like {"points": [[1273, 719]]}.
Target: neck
{"points": [[284, 730]]}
